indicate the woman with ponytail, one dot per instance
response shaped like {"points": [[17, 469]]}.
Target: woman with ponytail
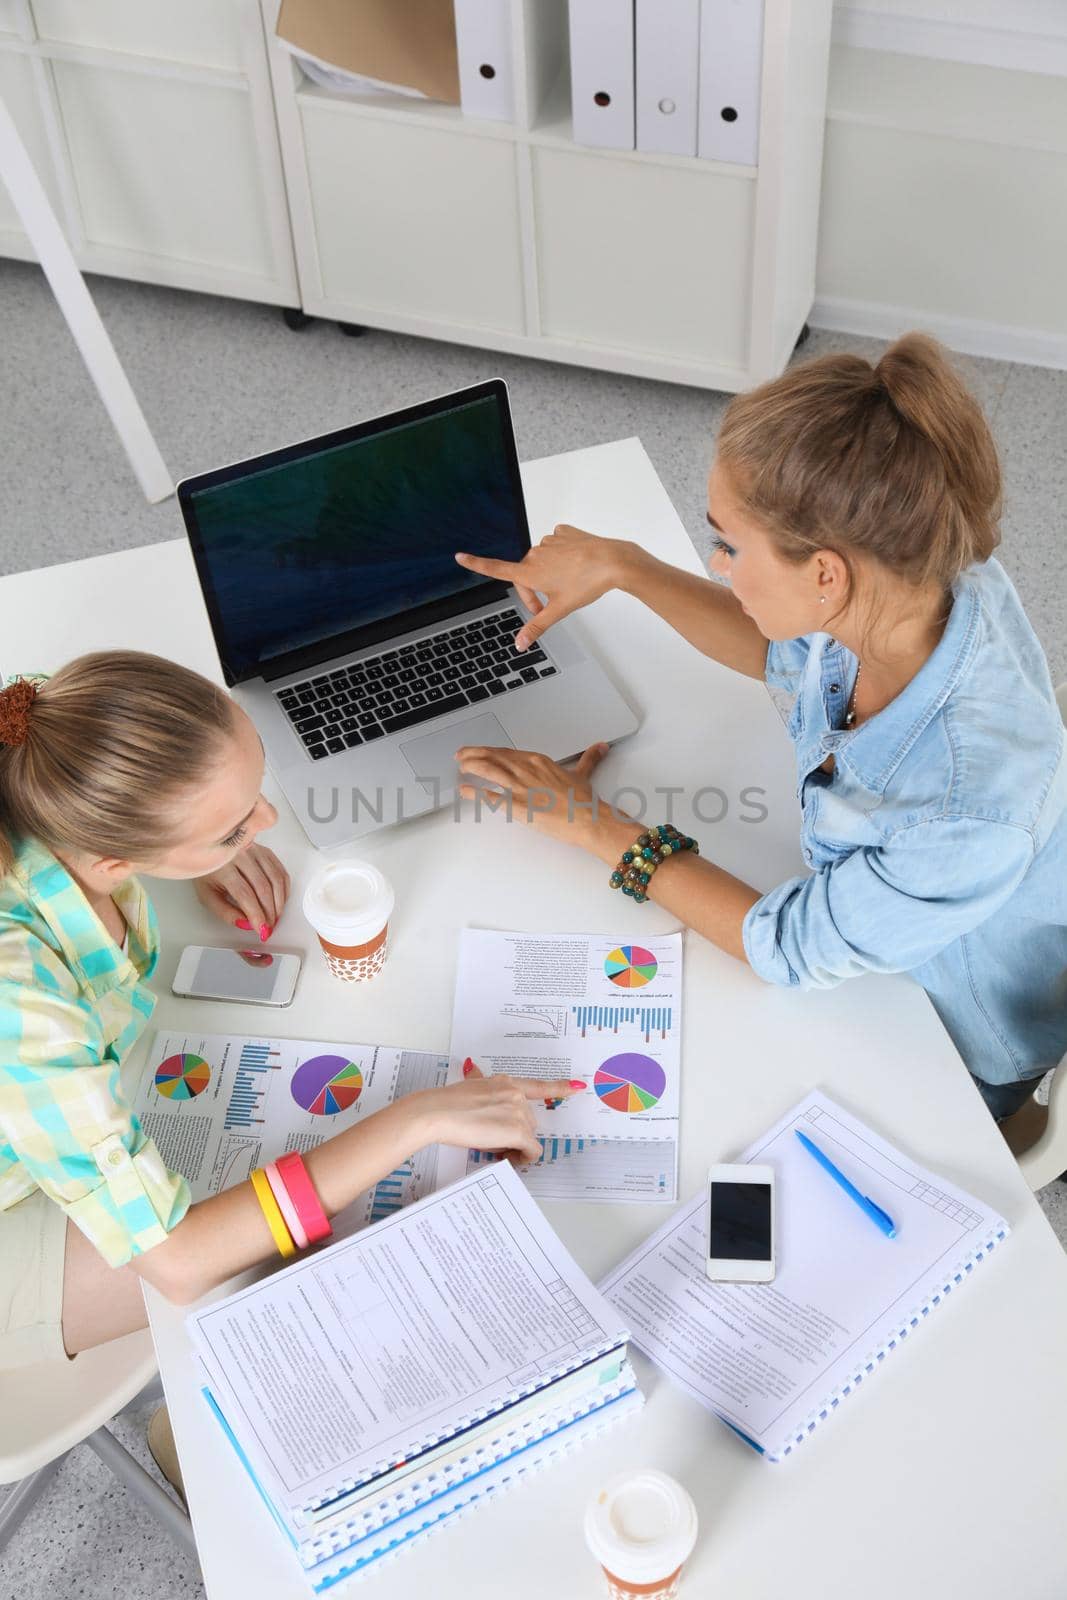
{"points": [[123, 764], [856, 511]]}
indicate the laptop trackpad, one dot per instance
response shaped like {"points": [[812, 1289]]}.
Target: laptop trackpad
{"points": [[433, 757]]}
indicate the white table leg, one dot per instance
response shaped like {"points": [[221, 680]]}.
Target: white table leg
{"points": [[32, 204]]}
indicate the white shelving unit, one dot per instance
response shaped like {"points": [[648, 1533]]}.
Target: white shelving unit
{"points": [[151, 125], [408, 216], [180, 144]]}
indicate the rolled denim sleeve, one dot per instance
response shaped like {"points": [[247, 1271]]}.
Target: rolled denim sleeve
{"points": [[887, 909]]}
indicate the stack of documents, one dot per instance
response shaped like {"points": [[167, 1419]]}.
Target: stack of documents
{"points": [[380, 1388]]}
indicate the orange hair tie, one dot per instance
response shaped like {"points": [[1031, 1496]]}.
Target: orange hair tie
{"points": [[15, 703]]}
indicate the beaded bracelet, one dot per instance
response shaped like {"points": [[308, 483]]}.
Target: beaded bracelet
{"points": [[645, 854]]}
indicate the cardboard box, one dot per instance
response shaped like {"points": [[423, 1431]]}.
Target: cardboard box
{"points": [[406, 42]]}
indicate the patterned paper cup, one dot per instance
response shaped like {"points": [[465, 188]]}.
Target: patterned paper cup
{"points": [[641, 1527], [349, 903]]}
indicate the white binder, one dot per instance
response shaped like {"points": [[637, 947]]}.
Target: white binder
{"points": [[667, 47], [602, 72], [483, 43], [731, 66]]}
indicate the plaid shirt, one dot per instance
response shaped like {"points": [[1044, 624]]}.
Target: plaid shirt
{"points": [[72, 1003]]}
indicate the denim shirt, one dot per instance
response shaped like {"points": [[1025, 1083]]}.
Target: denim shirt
{"points": [[938, 845]]}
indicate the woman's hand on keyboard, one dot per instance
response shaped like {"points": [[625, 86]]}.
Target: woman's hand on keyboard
{"points": [[570, 567]]}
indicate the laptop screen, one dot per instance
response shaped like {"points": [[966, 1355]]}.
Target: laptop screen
{"points": [[350, 539]]}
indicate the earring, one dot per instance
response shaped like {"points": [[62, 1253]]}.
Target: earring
{"points": [[822, 599]]}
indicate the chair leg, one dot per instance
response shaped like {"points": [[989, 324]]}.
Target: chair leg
{"points": [[24, 1497], [145, 1487]]}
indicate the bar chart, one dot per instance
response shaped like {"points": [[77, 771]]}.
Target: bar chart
{"points": [[580, 1168], [393, 1192], [250, 1085], [648, 1020]]}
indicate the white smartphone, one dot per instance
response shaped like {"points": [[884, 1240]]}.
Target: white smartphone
{"points": [[262, 977], [740, 1224]]}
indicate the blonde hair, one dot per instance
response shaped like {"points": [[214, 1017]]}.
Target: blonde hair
{"points": [[105, 754], [892, 461]]}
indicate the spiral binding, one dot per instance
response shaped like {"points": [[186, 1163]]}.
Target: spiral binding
{"points": [[468, 1468], [872, 1362], [470, 1419], [609, 1417]]}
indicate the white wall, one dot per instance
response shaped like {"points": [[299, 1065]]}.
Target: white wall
{"points": [[944, 199], [1029, 35]]}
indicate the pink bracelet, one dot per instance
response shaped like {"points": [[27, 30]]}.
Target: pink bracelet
{"points": [[285, 1205], [301, 1190]]}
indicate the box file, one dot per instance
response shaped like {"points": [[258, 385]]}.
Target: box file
{"points": [[602, 72], [483, 42], [667, 48], [731, 67]]}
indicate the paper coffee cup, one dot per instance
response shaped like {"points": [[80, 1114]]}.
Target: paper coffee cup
{"points": [[641, 1527], [349, 903]]}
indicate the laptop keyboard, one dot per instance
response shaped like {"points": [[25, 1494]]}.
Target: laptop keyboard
{"points": [[398, 689]]}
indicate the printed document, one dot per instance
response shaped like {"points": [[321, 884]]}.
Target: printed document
{"points": [[349, 1360], [772, 1359], [561, 1006], [219, 1105]]}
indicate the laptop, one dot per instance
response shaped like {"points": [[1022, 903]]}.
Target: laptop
{"points": [[363, 652]]}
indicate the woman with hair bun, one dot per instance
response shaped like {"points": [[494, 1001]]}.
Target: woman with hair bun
{"points": [[856, 509]]}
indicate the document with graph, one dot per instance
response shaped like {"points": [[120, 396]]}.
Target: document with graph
{"points": [[218, 1105], [588, 1007]]}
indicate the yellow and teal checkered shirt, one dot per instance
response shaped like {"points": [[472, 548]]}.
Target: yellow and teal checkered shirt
{"points": [[72, 1003]]}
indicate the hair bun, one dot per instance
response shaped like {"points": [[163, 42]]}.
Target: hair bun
{"points": [[15, 703]]}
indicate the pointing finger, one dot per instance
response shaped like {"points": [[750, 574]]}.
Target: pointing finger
{"points": [[506, 571]]}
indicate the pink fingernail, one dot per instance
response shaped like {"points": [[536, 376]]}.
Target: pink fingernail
{"points": [[521, 641], [468, 1067], [576, 1083], [243, 922], [264, 931]]}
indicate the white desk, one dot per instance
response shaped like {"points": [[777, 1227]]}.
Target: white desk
{"points": [[942, 1479]]}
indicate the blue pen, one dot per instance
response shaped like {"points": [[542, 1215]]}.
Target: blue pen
{"points": [[880, 1218]]}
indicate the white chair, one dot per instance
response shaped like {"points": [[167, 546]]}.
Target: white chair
{"points": [[48, 1409], [1045, 1160]]}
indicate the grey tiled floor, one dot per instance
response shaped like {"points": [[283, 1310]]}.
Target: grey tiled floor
{"points": [[220, 379]]}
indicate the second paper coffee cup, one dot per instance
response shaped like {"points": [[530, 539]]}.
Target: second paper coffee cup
{"points": [[641, 1527], [349, 903]]}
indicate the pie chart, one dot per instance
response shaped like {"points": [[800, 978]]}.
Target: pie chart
{"points": [[631, 967], [183, 1076], [630, 1082], [325, 1085]]}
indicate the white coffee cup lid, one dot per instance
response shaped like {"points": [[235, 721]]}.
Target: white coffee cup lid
{"points": [[348, 901], [641, 1526]]}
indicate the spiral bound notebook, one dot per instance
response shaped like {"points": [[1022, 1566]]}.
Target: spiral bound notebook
{"points": [[776, 1360], [377, 1389]]}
